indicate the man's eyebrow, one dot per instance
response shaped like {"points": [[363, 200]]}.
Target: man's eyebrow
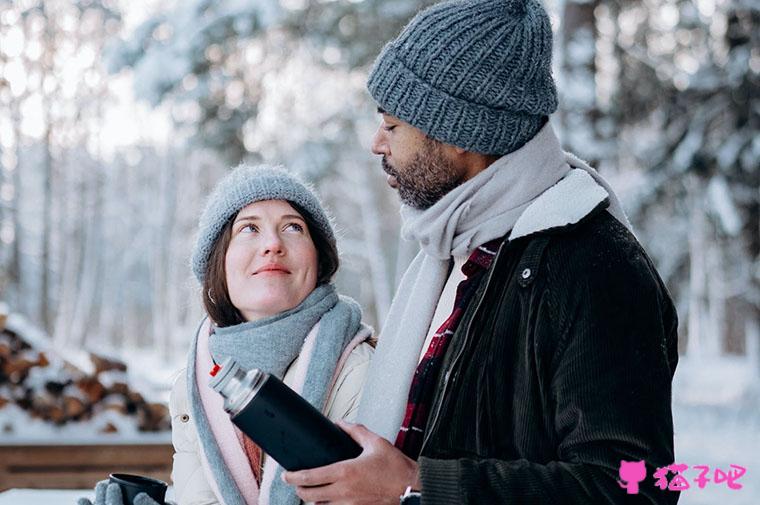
{"points": [[380, 110]]}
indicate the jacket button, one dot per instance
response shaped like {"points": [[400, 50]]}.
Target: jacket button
{"points": [[526, 273], [184, 418]]}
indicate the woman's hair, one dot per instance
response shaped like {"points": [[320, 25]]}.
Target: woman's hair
{"points": [[216, 296]]}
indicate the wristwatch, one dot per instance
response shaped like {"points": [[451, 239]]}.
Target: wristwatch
{"points": [[410, 497]]}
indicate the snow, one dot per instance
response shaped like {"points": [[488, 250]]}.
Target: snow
{"points": [[723, 206], [687, 148], [53, 496], [43, 496], [716, 416]]}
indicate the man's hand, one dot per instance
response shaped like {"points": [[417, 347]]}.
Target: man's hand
{"points": [[380, 474]]}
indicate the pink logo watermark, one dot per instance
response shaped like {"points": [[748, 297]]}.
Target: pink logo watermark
{"points": [[633, 472]]}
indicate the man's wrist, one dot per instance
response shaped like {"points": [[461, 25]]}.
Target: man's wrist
{"points": [[416, 483]]}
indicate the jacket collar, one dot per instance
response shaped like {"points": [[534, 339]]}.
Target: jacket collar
{"points": [[566, 203]]}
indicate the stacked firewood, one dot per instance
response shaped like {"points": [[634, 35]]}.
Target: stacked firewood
{"points": [[60, 392]]}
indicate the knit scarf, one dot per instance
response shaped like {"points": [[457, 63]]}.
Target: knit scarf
{"points": [[479, 210], [271, 345]]}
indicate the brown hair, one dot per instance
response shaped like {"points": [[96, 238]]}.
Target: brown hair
{"points": [[216, 296]]}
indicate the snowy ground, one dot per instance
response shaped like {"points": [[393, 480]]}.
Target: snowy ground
{"points": [[42, 496], [716, 414], [52, 496]]}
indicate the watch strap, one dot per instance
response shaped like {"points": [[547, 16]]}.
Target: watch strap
{"points": [[410, 497]]}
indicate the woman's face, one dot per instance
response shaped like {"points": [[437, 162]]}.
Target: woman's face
{"points": [[271, 262]]}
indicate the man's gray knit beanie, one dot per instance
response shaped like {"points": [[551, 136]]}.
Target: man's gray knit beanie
{"points": [[472, 73], [244, 185]]}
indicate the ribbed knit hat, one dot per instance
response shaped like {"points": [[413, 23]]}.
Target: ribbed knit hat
{"points": [[244, 185], [472, 73]]}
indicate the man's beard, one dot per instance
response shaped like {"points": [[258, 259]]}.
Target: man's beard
{"points": [[426, 179]]}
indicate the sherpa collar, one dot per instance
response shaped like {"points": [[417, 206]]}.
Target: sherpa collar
{"points": [[565, 203]]}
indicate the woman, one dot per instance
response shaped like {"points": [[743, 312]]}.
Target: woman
{"points": [[265, 254]]}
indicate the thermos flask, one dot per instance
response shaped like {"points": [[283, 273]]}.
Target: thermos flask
{"points": [[279, 420]]}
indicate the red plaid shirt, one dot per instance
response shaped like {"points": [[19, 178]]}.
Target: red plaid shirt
{"points": [[410, 436]]}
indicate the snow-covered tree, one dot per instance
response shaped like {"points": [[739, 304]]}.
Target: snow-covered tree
{"points": [[283, 82], [688, 77]]}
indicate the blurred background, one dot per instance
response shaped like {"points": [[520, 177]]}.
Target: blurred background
{"points": [[117, 118]]}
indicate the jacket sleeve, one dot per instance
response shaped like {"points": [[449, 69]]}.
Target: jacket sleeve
{"points": [[344, 397], [190, 484], [605, 341]]}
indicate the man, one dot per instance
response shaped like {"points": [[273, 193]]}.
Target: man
{"points": [[531, 345]]}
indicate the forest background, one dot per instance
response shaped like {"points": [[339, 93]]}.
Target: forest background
{"points": [[117, 118]]}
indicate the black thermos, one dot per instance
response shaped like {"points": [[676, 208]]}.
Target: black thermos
{"points": [[279, 420]]}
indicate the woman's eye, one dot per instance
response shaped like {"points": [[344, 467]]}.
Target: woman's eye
{"points": [[249, 228], [294, 227]]}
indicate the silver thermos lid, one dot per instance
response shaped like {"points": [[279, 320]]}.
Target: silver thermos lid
{"points": [[235, 385]]}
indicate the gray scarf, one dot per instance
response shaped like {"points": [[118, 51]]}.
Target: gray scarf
{"points": [[272, 344], [481, 209]]}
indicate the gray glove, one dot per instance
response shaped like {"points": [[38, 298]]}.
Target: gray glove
{"points": [[110, 494]]}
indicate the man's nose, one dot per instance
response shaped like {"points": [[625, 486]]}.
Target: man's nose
{"points": [[380, 143]]}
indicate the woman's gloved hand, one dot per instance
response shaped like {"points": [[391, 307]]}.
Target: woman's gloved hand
{"points": [[109, 493]]}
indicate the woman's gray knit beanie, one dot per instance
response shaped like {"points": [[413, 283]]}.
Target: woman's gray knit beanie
{"points": [[244, 185], [472, 73]]}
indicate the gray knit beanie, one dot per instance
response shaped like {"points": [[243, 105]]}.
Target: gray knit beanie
{"points": [[244, 185], [472, 73]]}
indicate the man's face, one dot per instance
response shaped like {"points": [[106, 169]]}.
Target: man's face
{"points": [[419, 167]]}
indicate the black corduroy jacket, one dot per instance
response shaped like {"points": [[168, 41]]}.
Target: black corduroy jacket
{"points": [[560, 368]]}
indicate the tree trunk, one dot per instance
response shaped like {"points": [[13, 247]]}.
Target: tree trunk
{"points": [[47, 217], [90, 265], [162, 320], [699, 344], [577, 87], [14, 264], [373, 247]]}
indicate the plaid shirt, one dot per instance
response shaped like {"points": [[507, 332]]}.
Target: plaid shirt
{"points": [[410, 436]]}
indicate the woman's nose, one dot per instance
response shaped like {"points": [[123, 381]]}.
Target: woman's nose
{"points": [[273, 244]]}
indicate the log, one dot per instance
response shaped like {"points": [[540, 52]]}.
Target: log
{"points": [[119, 388], [92, 388], [74, 407], [153, 417], [109, 428], [103, 364], [17, 369]]}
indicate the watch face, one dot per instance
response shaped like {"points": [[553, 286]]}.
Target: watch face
{"points": [[411, 498]]}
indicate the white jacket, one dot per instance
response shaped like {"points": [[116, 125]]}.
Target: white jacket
{"points": [[191, 482]]}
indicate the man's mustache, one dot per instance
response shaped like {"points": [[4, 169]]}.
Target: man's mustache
{"points": [[387, 168]]}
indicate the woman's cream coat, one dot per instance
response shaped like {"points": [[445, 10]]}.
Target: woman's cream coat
{"points": [[191, 484]]}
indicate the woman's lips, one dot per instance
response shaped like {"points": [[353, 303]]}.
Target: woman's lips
{"points": [[271, 269]]}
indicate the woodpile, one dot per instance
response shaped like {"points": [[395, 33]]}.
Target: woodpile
{"points": [[61, 393]]}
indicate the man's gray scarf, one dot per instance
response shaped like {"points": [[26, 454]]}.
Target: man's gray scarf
{"points": [[481, 209], [271, 345]]}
